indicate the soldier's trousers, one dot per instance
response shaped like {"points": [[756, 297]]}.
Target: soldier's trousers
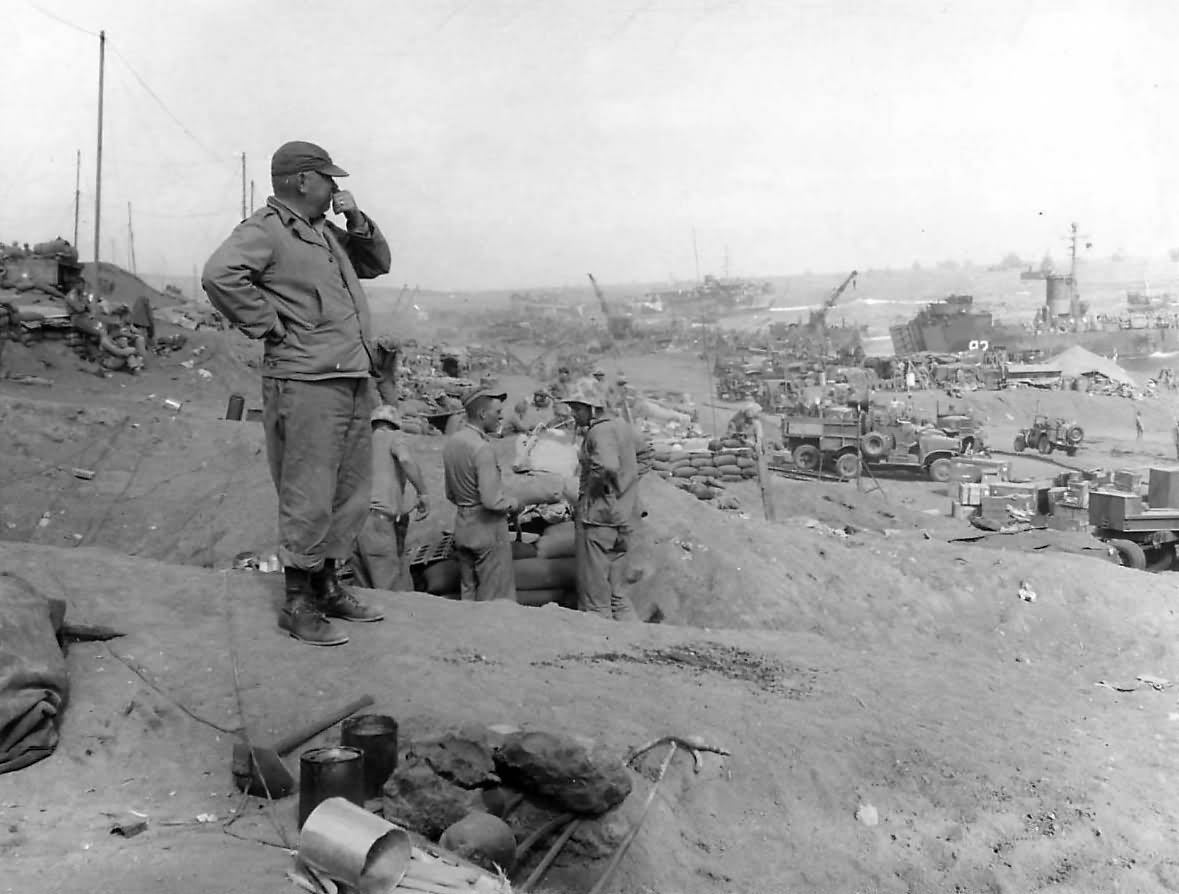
{"points": [[601, 554], [483, 548], [319, 445]]}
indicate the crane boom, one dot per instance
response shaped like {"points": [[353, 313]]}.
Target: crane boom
{"points": [[830, 303], [601, 297]]}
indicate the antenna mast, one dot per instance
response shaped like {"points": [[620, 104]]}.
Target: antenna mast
{"points": [[98, 158], [77, 196], [131, 241]]}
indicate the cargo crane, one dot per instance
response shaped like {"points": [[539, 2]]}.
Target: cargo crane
{"points": [[617, 326], [818, 320]]}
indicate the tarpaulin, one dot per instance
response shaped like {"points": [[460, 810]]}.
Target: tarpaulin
{"points": [[34, 681]]}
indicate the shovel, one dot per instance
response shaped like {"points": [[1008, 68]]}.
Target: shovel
{"points": [[261, 772]]}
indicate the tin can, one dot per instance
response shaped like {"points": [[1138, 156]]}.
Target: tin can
{"points": [[332, 772], [376, 736], [85, 474], [172, 404], [235, 407]]}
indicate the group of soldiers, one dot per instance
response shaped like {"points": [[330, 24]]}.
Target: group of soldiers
{"points": [[612, 458]]}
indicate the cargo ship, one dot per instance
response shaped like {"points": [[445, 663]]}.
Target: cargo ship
{"points": [[956, 325]]}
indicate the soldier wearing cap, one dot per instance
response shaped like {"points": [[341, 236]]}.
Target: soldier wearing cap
{"points": [[291, 278], [474, 483], [612, 459], [379, 557]]}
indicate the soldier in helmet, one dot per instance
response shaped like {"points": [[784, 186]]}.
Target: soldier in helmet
{"points": [[474, 483], [613, 457], [378, 561]]}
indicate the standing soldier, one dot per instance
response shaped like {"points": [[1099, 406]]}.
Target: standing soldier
{"points": [[612, 459], [474, 483], [288, 276], [379, 557], [1138, 424], [1177, 438]]}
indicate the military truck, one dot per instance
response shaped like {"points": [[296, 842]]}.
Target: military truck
{"points": [[1046, 435], [842, 441]]}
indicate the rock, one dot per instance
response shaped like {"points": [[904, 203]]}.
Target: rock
{"points": [[463, 758], [867, 815], [485, 840], [419, 799], [560, 768]]}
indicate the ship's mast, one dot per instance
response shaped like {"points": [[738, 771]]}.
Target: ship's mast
{"points": [[1072, 252], [77, 196], [98, 158]]}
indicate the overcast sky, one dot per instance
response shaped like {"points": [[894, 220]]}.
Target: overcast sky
{"points": [[509, 143]]}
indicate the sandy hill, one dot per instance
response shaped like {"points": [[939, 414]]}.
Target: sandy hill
{"points": [[857, 653]]}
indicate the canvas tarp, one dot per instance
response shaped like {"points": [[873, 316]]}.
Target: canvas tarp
{"points": [[34, 681]]}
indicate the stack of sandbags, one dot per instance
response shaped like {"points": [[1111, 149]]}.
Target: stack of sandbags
{"points": [[545, 571], [704, 471]]}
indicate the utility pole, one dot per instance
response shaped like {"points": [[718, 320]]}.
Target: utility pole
{"points": [[131, 241], [98, 158], [251, 196], [77, 196], [696, 254], [244, 215]]}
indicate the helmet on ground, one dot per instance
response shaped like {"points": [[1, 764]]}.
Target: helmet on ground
{"points": [[585, 391], [386, 413], [599, 373]]}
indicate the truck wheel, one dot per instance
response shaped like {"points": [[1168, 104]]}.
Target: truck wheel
{"points": [[939, 470], [1045, 445], [873, 445], [1021, 443], [1130, 554], [807, 457], [1161, 558], [1076, 434], [847, 465]]}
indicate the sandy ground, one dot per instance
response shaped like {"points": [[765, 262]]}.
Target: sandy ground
{"points": [[856, 653]]}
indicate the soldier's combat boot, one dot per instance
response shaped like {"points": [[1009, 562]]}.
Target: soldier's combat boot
{"points": [[337, 601], [301, 617]]}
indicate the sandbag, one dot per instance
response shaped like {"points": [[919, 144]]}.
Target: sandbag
{"points": [[523, 550], [683, 472], [539, 597], [442, 578], [34, 679], [538, 488], [545, 574], [661, 466], [732, 477], [708, 470], [550, 452], [749, 472], [699, 461], [557, 541], [733, 442], [746, 462], [724, 459]]}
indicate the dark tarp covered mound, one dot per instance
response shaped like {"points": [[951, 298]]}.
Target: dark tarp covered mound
{"points": [[34, 681]]}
